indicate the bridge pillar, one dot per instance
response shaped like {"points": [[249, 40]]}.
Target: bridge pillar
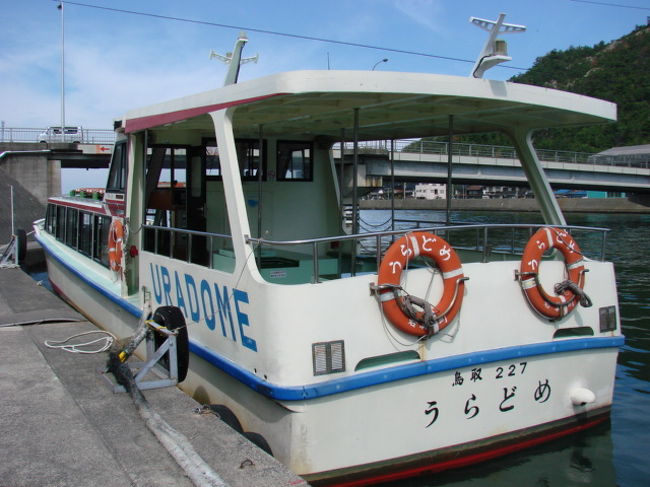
{"points": [[34, 178], [38, 175]]}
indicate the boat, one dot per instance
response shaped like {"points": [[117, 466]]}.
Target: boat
{"points": [[353, 358]]}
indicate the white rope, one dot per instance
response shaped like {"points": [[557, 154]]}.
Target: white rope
{"points": [[107, 339]]}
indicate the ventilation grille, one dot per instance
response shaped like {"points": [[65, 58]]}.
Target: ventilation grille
{"points": [[607, 317], [328, 357]]}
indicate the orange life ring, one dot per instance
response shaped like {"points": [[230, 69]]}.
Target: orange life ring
{"points": [[551, 307], [429, 319], [115, 245]]}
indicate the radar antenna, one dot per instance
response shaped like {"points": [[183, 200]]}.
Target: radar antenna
{"points": [[234, 59], [495, 50]]}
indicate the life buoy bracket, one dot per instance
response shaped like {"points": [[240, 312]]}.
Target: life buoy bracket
{"points": [[411, 314], [569, 292]]}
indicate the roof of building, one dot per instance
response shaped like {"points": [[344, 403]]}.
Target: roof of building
{"points": [[627, 151]]}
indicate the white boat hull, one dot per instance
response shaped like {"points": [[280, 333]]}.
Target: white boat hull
{"points": [[424, 415]]}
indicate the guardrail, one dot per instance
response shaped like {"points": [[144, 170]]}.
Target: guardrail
{"points": [[88, 136], [406, 146], [430, 147]]}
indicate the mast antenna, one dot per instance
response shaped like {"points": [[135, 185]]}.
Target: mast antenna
{"points": [[234, 59], [495, 50]]}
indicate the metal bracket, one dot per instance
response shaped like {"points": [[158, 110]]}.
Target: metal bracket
{"points": [[164, 376], [9, 257]]}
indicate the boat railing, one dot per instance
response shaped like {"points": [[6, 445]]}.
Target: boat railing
{"points": [[358, 253], [192, 246], [477, 243]]}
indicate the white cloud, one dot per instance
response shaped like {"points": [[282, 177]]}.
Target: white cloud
{"points": [[428, 13]]}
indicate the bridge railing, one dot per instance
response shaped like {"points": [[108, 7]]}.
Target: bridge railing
{"points": [[411, 146], [430, 147], [20, 134]]}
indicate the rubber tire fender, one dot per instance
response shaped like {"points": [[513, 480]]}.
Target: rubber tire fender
{"points": [[258, 440], [226, 415], [172, 318]]}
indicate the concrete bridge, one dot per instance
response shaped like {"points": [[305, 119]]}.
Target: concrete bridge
{"points": [[496, 165], [35, 169]]}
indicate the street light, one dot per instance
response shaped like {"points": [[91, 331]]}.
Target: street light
{"points": [[385, 60], [60, 7]]}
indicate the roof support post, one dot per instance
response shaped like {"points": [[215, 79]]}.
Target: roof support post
{"points": [[233, 190], [355, 202], [260, 176], [355, 168], [392, 186], [534, 171], [342, 168], [450, 153]]}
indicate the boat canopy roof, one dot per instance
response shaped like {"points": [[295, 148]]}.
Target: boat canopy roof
{"points": [[391, 105]]}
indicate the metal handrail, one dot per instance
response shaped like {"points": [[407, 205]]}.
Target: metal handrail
{"points": [[485, 227], [482, 240], [388, 233], [209, 235]]}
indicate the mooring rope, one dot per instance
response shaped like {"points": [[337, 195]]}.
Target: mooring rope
{"points": [[178, 446]]}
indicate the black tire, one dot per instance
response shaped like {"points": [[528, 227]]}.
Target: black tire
{"points": [[172, 318], [258, 440], [226, 415], [21, 245]]}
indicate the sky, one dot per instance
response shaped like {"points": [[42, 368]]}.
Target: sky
{"points": [[115, 61]]}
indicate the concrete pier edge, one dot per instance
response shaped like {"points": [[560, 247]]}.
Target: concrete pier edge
{"points": [[61, 425]]}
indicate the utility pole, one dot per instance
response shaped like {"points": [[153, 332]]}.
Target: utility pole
{"points": [[60, 7]]}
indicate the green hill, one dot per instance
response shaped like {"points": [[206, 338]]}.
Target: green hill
{"points": [[618, 71]]}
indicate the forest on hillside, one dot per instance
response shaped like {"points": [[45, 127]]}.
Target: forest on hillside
{"points": [[618, 71]]}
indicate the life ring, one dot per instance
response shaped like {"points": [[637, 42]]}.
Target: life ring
{"points": [[552, 307], [397, 306], [115, 245]]}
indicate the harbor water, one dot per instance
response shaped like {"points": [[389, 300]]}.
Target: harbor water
{"points": [[615, 453]]}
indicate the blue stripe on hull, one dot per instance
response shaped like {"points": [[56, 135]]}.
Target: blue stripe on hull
{"points": [[365, 379]]}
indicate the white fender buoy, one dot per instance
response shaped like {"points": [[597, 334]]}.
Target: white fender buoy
{"points": [[581, 396]]}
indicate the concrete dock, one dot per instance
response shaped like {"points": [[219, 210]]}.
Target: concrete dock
{"points": [[61, 425]]}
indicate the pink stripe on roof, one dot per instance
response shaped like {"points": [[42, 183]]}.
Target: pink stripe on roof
{"points": [[141, 123]]}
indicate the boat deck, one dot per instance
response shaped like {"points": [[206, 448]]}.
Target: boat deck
{"points": [[61, 425]]}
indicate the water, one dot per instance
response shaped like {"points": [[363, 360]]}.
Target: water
{"points": [[613, 454]]}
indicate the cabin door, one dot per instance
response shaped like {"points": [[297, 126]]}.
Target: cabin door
{"points": [[196, 194]]}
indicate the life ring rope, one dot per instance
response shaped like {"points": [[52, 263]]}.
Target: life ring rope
{"points": [[569, 292], [411, 314]]}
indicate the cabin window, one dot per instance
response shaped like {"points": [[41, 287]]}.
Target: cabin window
{"points": [[85, 233], [294, 161], [248, 155], [117, 174], [212, 164], [100, 244], [76, 229], [71, 221], [60, 222], [173, 168], [50, 216]]}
